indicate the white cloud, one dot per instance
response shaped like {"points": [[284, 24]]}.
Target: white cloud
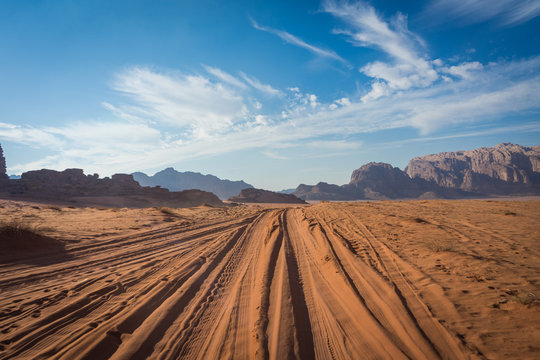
{"points": [[344, 101], [293, 40], [367, 29], [463, 70], [378, 89], [191, 102], [409, 69], [496, 91], [533, 127], [313, 100], [273, 155], [28, 135], [505, 12], [224, 76], [335, 144], [118, 135], [265, 88]]}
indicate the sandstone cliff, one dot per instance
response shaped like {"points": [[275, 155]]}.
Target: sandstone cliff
{"points": [[252, 195], [376, 181], [502, 169], [383, 181]]}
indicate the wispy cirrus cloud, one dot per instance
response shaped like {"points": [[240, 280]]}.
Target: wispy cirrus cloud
{"points": [[532, 127], [294, 40], [409, 68], [225, 77], [192, 103], [465, 12], [28, 135], [265, 88], [158, 123]]}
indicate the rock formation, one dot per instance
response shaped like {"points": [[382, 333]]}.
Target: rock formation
{"points": [[252, 195], [325, 191], [383, 181], [374, 181], [502, 169], [177, 181], [3, 174], [72, 185]]}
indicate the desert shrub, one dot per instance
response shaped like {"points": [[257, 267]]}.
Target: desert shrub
{"points": [[526, 298], [22, 235], [19, 226], [439, 245], [167, 211]]}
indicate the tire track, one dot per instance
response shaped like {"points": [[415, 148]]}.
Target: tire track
{"points": [[304, 283]]}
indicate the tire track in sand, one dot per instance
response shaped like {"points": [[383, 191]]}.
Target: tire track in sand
{"points": [[272, 284]]}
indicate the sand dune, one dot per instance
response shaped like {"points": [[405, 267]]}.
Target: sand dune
{"points": [[417, 280]]}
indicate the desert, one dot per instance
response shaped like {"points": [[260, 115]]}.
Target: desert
{"points": [[424, 279], [269, 180]]}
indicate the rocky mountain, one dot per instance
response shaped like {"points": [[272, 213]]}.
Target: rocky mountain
{"points": [[380, 180], [500, 170], [252, 195], [325, 191], [177, 181], [375, 181], [73, 186]]}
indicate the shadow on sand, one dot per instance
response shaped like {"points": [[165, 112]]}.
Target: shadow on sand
{"points": [[21, 244]]}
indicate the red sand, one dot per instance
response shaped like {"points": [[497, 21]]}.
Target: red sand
{"points": [[419, 279]]}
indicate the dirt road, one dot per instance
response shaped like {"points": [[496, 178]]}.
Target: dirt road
{"points": [[250, 283]]}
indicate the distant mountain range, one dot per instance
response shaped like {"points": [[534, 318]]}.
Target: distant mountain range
{"points": [[505, 169], [177, 181], [287, 191]]}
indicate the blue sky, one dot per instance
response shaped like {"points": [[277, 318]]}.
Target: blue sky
{"points": [[276, 93]]}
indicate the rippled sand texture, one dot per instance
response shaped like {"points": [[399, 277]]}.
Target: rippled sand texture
{"points": [[396, 280]]}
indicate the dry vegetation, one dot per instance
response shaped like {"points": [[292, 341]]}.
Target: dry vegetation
{"points": [[420, 279]]}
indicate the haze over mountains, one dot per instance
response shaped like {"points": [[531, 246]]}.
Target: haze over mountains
{"points": [[504, 169], [178, 181]]}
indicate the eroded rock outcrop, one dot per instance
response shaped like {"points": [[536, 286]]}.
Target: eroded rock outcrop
{"points": [[3, 170], [502, 169], [375, 181], [324, 191], [252, 195], [383, 181], [72, 185]]}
